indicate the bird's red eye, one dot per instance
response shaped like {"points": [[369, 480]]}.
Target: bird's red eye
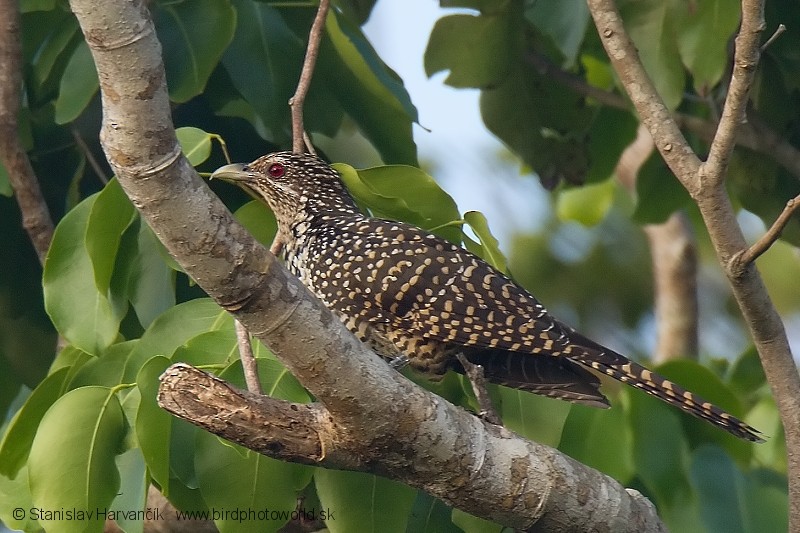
{"points": [[276, 170]]}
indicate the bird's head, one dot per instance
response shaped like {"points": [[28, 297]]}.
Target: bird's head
{"points": [[290, 184]]}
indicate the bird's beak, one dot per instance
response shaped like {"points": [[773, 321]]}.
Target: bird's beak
{"points": [[234, 172]]}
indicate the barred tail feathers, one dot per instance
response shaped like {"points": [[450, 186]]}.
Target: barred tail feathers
{"points": [[619, 367]]}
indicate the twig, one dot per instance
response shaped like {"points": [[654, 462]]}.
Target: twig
{"points": [[734, 112], [296, 102], [249, 363], [474, 373], [768, 239], [87, 153], [778, 32], [35, 215]]}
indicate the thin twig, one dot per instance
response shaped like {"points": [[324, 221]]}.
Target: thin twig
{"points": [[87, 153], [35, 215], [249, 363], [778, 32], [768, 239], [296, 102]]}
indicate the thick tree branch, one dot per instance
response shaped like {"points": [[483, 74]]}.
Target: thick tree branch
{"points": [[387, 424], [709, 192], [35, 215]]}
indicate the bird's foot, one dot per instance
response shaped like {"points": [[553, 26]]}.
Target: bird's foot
{"points": [[477, 379], [399, 362]]}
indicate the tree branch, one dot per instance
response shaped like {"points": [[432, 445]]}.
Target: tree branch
{"points": [[763, 321], [387, 424], [743, 260], [35, 215], [734, 112], [296, 102]]}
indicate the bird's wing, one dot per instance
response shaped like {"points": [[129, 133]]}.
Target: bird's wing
{"points": [[427, 286]]}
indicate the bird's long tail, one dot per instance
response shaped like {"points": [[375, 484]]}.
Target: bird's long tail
{"points": [[619, 367]]}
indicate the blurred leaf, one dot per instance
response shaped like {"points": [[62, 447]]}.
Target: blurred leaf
{"points": [[259, 220], [193, 37], [72, 460], [406, 193], [17, 440], [651, 26], [154, 424], [658, 192], [532, 416], [746, 374], [542, 122], [565, 22], [363, 502], [60, 34], [703, 32], [765, 417], [358, 11], [730, 501], [81, 314], [195, 143], [588, 204], [430, 515], [112, 213], [489, 245], [473, 524], [5, 185], [601, 439], [612, 131], [79, 84], [370, 92], [477, 50], [225, 469]]}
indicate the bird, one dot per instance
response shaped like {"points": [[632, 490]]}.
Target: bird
{"points": [[418, 299]]}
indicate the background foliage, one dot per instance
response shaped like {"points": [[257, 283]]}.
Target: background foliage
{"points": [[82, 427]]}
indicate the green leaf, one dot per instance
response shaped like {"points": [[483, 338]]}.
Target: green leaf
{"points": [[588, 204], [195, 143], [173, 328], [112, 213], [564, 22], [259, 220], [5, 185], [612, 131], [652, 28], [193, 37], [81, 314], [542, 122], [658, 192], [132, 494], [262, 489], [106, 371], [150, 283], [368, 90], [406, 193], [479, 51], [79, 84], [363, 502], [430, 515], [704, 31], [16, 494], [153, 424], [601, 439], [490, 248], [532, 416], [61, 34], [473, 524], [72, 460], [17, 440]]}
